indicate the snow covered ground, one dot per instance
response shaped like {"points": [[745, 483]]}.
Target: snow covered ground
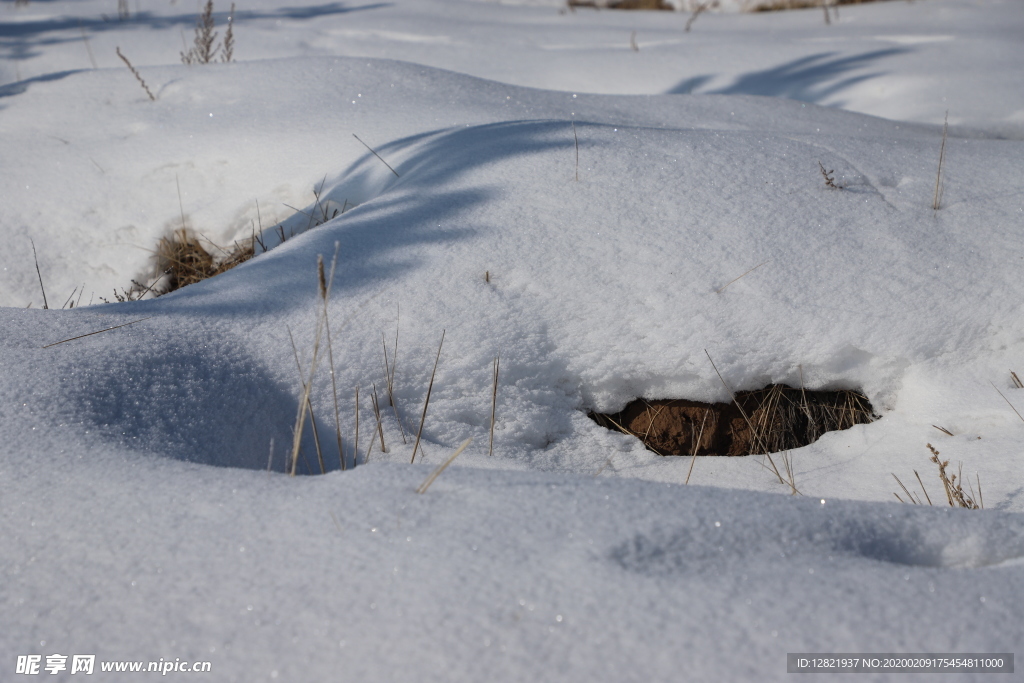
{"points": [[141, 521]]}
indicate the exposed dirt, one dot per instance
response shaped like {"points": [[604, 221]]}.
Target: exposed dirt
{"points": [[770, 420]]}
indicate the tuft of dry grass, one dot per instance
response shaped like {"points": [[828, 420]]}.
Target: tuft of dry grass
{"points": [[955, 494], [185, 261], [202, 50]]}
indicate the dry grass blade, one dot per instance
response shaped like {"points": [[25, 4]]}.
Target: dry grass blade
{"points": [[137, 75], [325, 293], [426, 403], [722, 289], [309, 405], [316, 438], [36, 259], [943, 430], [436, 473], [927, 497], [70, 297], [911, 497], [334, 390], [1008, 402], [494, 403], [376, 412], [787, 463], [936, 202], [300, 418], [355, 454], [576, 142], [88, 48], [89, 334], [389, 371], [1016, 380], [377, 155], [753, 431], [696, 445]]}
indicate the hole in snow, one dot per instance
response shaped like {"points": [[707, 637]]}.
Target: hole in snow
{"points": [[770, 420]]}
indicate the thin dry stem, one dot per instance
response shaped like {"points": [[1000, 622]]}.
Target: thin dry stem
{"points": [[300, 419], [136, 74], [426, 403], [89, 334], [927, 497], [905, 490], [693, 458], [377, 155], [576, 142], [722, 288], [355, 454], [376, 412], [753, 431], [494, 403], [436, 473], [936, 202], [1008, 402], [40, 275]]}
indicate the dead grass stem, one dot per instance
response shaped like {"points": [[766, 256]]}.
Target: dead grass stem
{"points": [[422, 488], [696, 445], [35, 258], [937, 201], [304, 404], [377, 155], [494, 403], [1008, 402], [376, 412], [576, 143], [426, 402], [722, 288], [750, 425], [136, 74], [89, 334]]}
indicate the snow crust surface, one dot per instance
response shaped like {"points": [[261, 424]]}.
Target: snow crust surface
{"points": [[547, 194]]}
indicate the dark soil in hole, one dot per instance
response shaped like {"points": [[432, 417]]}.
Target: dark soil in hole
{"points": [[622, 4], [774, 419]]}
